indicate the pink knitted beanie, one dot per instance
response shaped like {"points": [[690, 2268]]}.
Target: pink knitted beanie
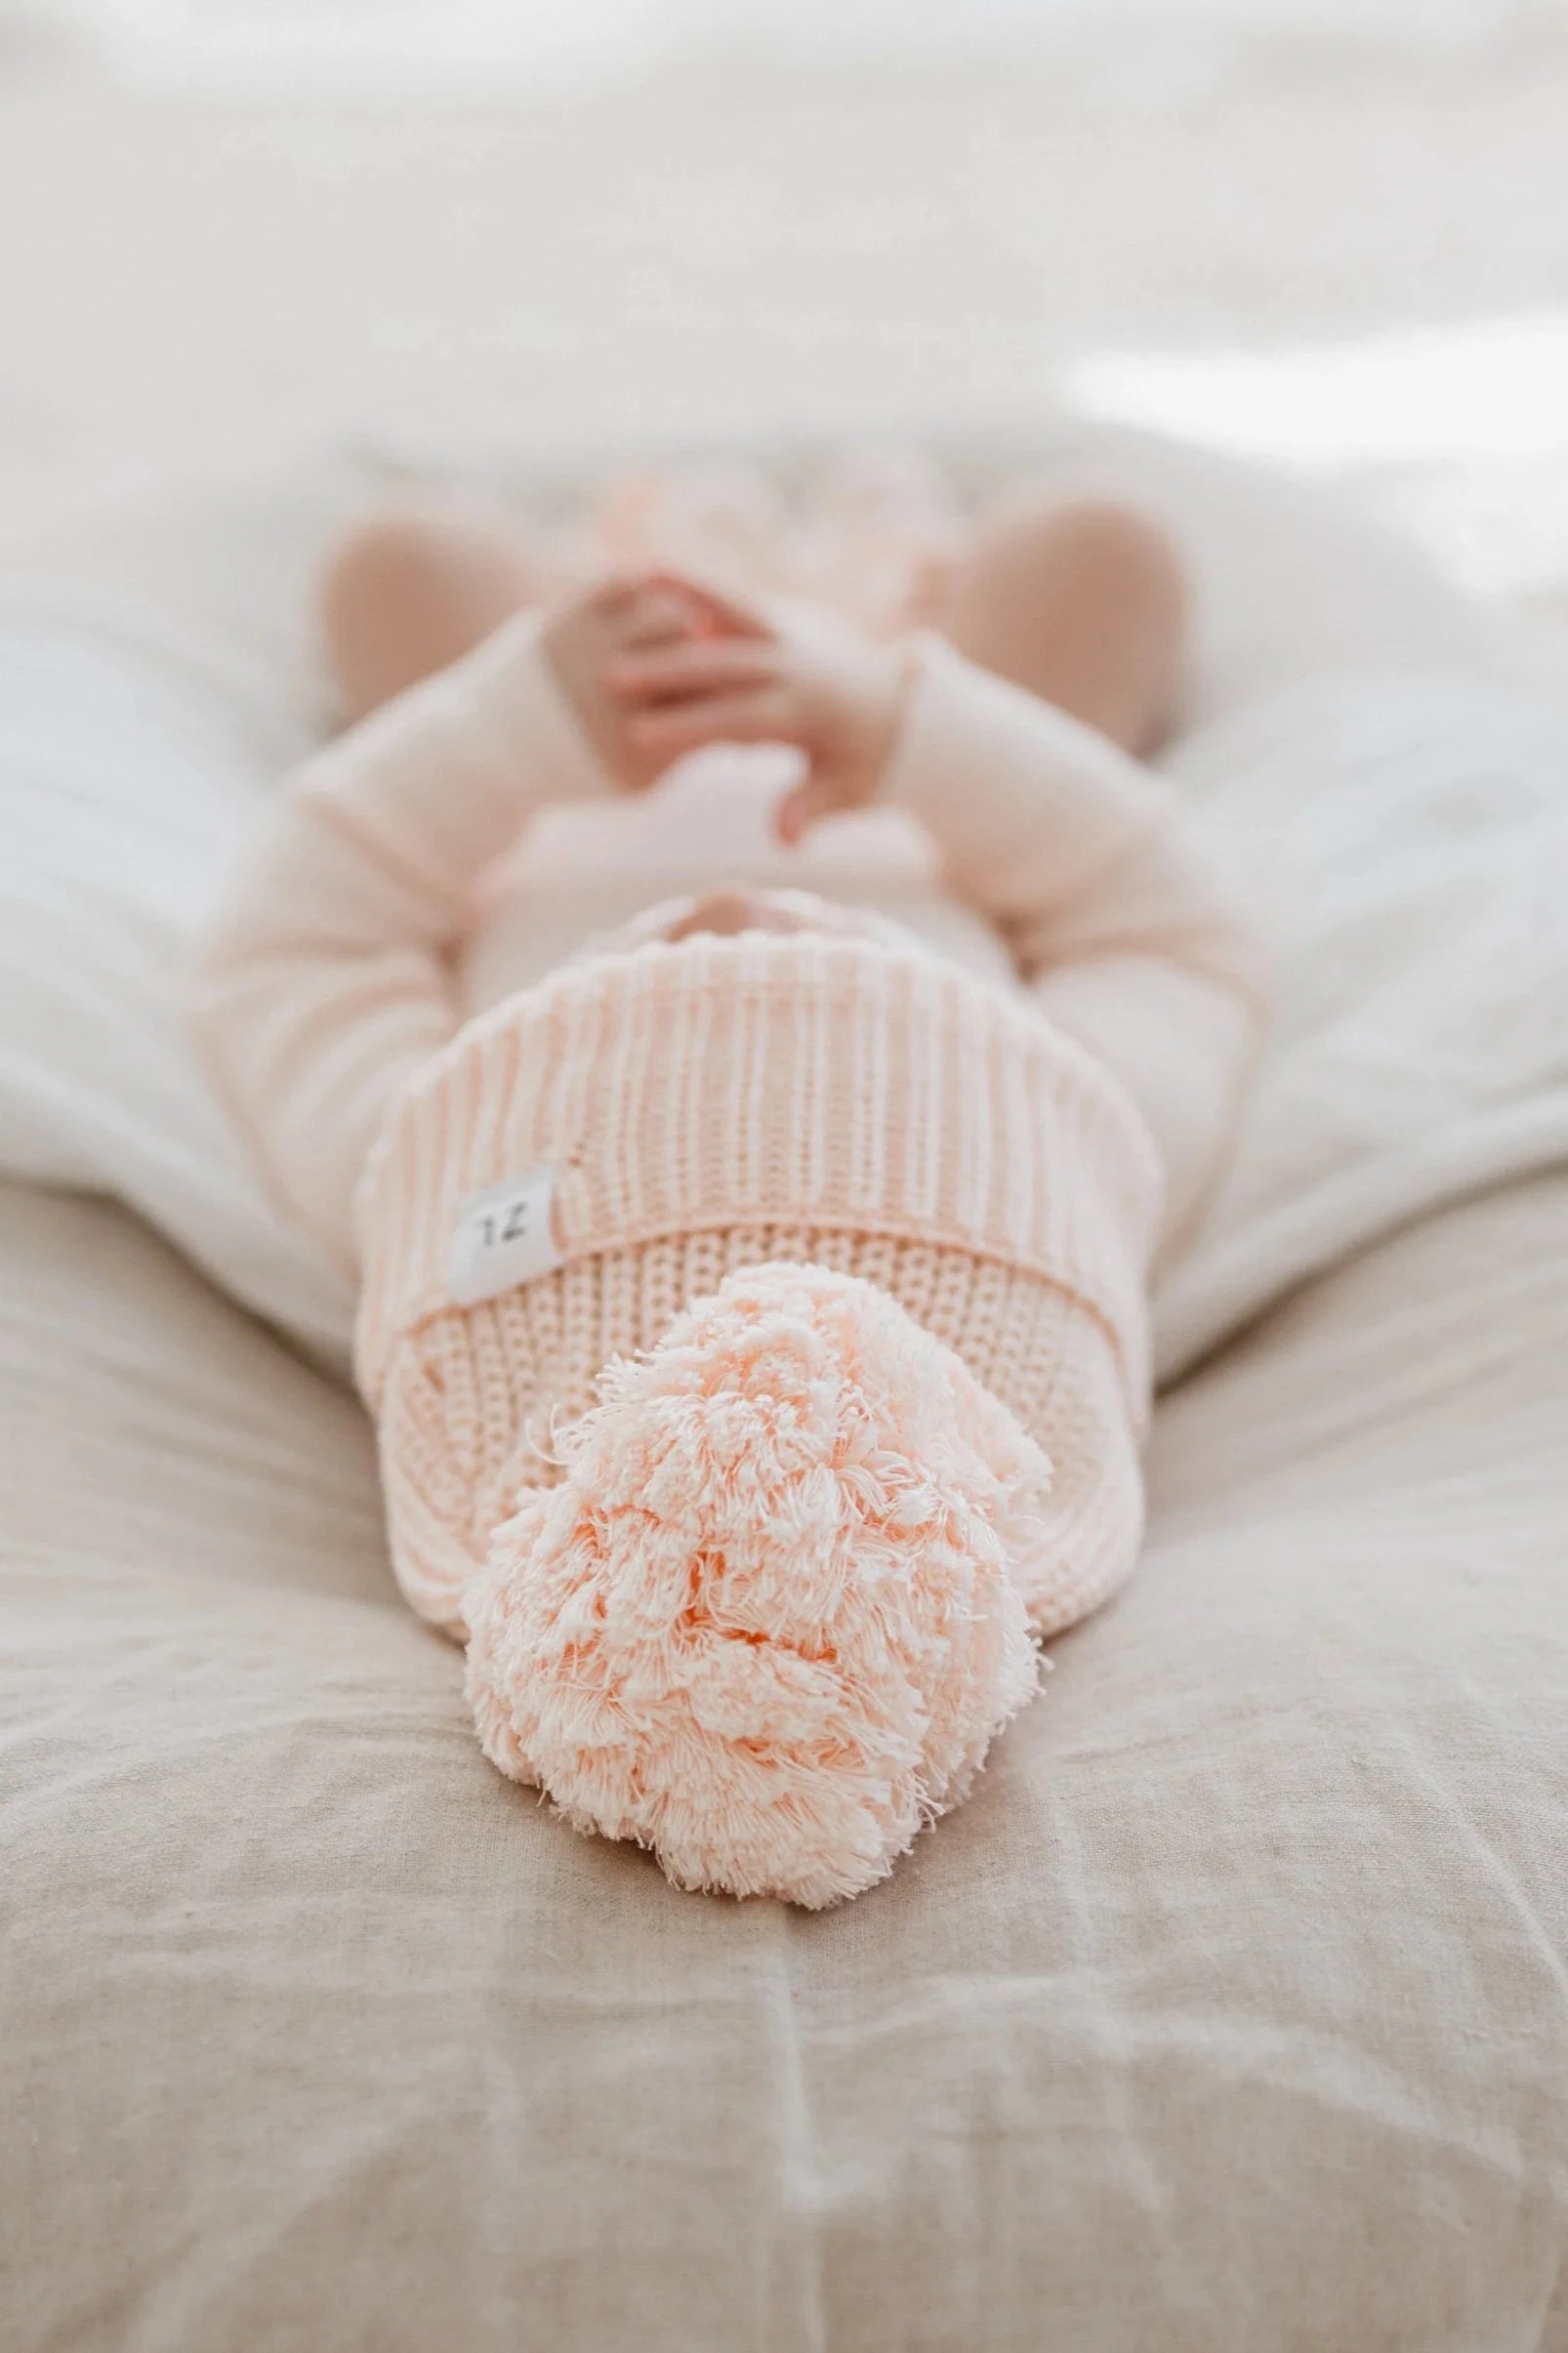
{"points": [[755, 1333]]}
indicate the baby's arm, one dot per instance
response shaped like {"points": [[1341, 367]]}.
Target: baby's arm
{"points": [[327, 979], [1078, 854], [1067, 844]]}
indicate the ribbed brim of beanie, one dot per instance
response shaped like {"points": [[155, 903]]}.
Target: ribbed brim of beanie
{"points": [[826, 1083]]}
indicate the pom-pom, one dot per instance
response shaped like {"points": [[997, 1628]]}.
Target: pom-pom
{"points": [[764, 1625]]}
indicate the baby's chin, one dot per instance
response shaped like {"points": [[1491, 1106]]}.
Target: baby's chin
{"points": [[738, 909]]}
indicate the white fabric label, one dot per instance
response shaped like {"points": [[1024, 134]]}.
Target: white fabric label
{"points": [[504, 1237]]}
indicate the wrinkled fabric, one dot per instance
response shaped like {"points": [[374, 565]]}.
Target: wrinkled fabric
{"points": [[1230, 2013], [1403, 840]]}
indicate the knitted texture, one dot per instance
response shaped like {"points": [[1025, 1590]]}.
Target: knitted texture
{"points": [[832, 1081], [746, 1507], [477, 1399], [765, 1623]]}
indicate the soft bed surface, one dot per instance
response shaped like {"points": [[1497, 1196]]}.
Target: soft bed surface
{"points": [[1229, 2014]]}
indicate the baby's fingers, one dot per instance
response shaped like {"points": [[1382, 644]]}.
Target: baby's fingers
{"points": [[722, 612], [701, 667], [655, 617], [753, 714], [805, 804]]}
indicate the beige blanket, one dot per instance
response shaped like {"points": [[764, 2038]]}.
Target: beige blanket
{"points": [[1230, 2016]]}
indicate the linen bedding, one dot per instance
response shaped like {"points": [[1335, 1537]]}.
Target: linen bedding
{"points": [[1230, 2013]]}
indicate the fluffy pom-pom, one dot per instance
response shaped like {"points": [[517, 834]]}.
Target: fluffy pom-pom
{"points": [[764, 1626]]}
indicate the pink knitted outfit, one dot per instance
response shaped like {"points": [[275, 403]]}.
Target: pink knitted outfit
{"points": [[756, 1327]]}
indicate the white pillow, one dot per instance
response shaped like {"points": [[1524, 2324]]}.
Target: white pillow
{"points": [[127, 779], [1402, 832], [1402, 840]]}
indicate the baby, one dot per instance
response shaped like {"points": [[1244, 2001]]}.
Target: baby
{"points": [[753, 1291]]}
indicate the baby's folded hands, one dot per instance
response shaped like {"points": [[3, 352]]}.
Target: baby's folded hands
{"points": [[664, 664], [601, 625]]}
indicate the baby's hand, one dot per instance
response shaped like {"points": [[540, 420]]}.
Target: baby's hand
{"points": [[759, 672], [615, 620]]}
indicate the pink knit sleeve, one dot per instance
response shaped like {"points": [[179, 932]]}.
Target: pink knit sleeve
{"points": [[327, 981], [1078, 856]]}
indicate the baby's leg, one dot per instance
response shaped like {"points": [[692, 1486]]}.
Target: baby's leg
{"points": [[413, 587], [1082, 601]]}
